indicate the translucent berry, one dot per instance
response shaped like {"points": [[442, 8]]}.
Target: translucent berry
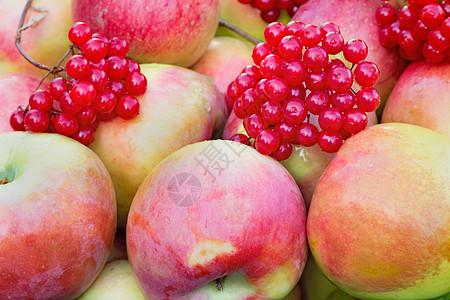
{"points": [[65, 124], [118, 47], [117, 67], [329, 27], [83, 93], [271, 112], [127, 107], [355, 120], [105, 101], [283, 152], [333, 43], [264, 5], [307, 134], [366, 73], [286, 131], [135, 84], [316, 80], [294, 28], [273, 33], [290, 47], [271, 66], [267, 142], [355, 50], [68, 105], [17, 120], [294, 111], [331, 119], [94, 50], [432, 15], [117, 87], [408, 17], [340, 79], [294, 72], [84, 135], [77, 66], [329, 141], [98, 78], [41, 99], [244, 82], [57, 88], [368, 99], [36, 120], [253, 71], [408, 41], [385, 14], [437, 40], [317, 101], [241, 138], [432, 55], [79, 33], [276, 89], [311, 35], [260, 52], [343, 101], [133, 66], [315, 58], [254, 124], [87, 115]]}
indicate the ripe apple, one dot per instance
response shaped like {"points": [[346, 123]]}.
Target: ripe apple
{"points": [[421, 97], [46, 41], [306, 164], [223, 61], [116, 281], [57, 216], [356, 20], [379, 219], [172, 31], [180, 107], [15, 89], [209, 217]]}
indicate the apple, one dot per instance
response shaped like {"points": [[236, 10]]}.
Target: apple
{"points": [[57, 216], [379, 219], [119, 248], [306, 164], [46, 42], [421, 97], [171, 32], [356, 20], [116, 281], [180, 107], [223, 61], [209, 222], [15, 89]]}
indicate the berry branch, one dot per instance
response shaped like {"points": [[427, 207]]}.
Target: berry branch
{"points": [[239, 32]]}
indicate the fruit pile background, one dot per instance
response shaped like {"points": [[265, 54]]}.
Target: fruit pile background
{"points": [[225, 149]]}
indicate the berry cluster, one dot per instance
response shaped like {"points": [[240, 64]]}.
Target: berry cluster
{"points": [[103, 84], [293, 79], [270, 9], [421, 30]]}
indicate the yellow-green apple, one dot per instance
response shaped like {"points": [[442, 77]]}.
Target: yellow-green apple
{"points": [[179, 107], [57, 216], [119, 248], [223, 61], [171, 31], [15, 89], [356, 20], [421, 97], [306, 164], [115, 282], [217, 220], [46, 41], [379, 221]]}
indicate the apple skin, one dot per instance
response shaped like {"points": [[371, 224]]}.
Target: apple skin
{"points": [[58, 216], [379, 219], [170, 31], [180, 107], [16, 89], [349, 15], [306, 164], [223, 61], [115, 282], [46, 42], [246, 226], [421, 97]]}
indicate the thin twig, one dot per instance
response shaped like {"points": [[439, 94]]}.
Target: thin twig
{"points": [[239, 31]]}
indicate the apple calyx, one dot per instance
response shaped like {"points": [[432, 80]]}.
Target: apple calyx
{"points": [[219, 283], [4, 181]]}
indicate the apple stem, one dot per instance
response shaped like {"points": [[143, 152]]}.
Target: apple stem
{"points": [[239, 31], [31, 23], [219, 283], [4, 181]]}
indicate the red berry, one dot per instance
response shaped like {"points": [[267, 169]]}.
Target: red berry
{"points": [[333, 63], [241, 138], [317, 101], [133, 66], [385, 38], [432, 15], [41, 100], [77, 66], [445, 28], [135, 84], [105, 117], [329, 141], [83, 93], [292, 11], [79, 33], [393, 32], [355, 120], [117, 67], [105, 101], [367, 73], [307, 134], [408, 17], [271, 112], [408, 41], [368, 99], [101, 37], [36, 120], [333, 43], [65, 124], [283, 152], [355, 50], [260, 52], [297, 92], [316, 80], [117, 87], [432, 55], [17, 120], [232, 91], [238, 108], [57, 88], [421, 31], [286, 131], [276, 89], [244, 82], [254, 124], [284, 4], [270, 16], [343, 101], [437, 40], [246, 1], [311, 35], [329, 27], [264, 5], [84, 135], [253, 71], [271, 66], [414, 55], [68, 105], [94, 50], [267, 142], [98, 78], [290, 47], [385, 14], [331, 119], [315, 58], [248, 101], [294, 72], [273, 33], [118, 47], [294, 111], [294, 28], [340, 79], [100, 65], [127, 107], [87, 115]]}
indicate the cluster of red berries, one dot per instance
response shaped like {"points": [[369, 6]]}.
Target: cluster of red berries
{"points": [[421, 30], [293, 79], [271, 9], [103, 84]]}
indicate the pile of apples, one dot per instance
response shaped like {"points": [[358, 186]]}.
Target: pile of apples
{"points": [[175, 202]]}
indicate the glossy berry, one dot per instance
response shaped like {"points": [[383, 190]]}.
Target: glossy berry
{"points": [[311, 35], [77, 66], [36, 120], [331, 119], [260, 52], [315, 58], [127, 107], [307, 134], [243, 82], [385, 40], [283, 152], [316, 80], [432, 55], [294, 28], [368, 99], [297, 92], [249, 101], [240, 138], [366, 73], [65, 124], [290, 47], [271, 112], [271, 66], [17, 120], [264, 5], [355, 120], [276, 89], [421, 31], [84, 135], [294, 111], [101, 37], [329, 141], [340, 79], [252, 71], [133, 66], [333, 43], [41, 99], [98, 78], [408, 17], [329, 27], [238, 108], [100, 65], [294, 72], [79, 33], [87, 115], [273, 33], [95, 50], [317, 101], [437, 40], [254, 124], [117, 67], [83, 93], [105, 101], [355, 50], [445, 27], [385, 14], [57, 88], [135, 84], [68, 106], [117, 87], [432, 15], [267, 142], [118, 47], [286, 131], [343, 101], [408, 41]]}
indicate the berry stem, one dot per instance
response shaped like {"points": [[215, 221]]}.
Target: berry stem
{"points": [[239, 31]]}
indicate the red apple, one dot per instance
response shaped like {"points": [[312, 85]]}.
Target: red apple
{"points": [[58, 216], [46, 41], [16, 89], [356, 20], [421, 97], [223, 61], [171, 31], [180, 107], [210, 212], [379, 221]]}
